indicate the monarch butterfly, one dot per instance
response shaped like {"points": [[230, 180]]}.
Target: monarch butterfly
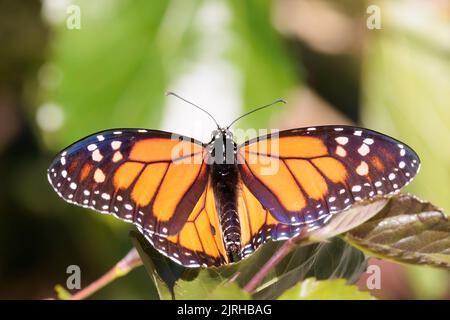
{"points": [[214, 204]]}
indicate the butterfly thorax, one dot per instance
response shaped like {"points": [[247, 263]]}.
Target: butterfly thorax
{"points": [[225, 177]]}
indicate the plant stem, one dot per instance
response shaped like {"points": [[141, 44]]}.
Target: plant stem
{"points": [[125, 265], [284, 250]]}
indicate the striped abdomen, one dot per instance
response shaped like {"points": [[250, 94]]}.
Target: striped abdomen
{"points": [[225, 180]]}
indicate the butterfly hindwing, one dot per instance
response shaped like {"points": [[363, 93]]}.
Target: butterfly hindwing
{"points": [[150, 178], [303, 176], [200, 240], [258, 224]]}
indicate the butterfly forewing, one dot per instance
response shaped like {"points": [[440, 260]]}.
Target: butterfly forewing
{"points": [[150, 178]]}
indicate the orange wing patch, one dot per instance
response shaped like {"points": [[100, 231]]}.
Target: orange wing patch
{"points": [[311, 180], [200, 241], [257, 223], [85, 170], [286, 147], [148, 183], [252, 215], [126, 174], [377, 163], [157, 149], [286, 192], [292, 175], [176, 183], [333, 169]]}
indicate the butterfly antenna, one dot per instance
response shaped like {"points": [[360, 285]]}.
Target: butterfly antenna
{"points": [[193, 104], [254, 110]]}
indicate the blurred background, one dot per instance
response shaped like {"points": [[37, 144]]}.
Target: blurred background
{"points": [[71, 68]]}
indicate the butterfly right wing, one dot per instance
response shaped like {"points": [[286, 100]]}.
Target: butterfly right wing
{"points": [[258, 225], [301, 177]]}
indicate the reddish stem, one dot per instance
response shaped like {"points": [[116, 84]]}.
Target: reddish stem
{"points": [[285, 249], [125, 265]]}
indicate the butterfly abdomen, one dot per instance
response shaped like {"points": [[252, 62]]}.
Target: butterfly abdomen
{"points": [[225, 179]]}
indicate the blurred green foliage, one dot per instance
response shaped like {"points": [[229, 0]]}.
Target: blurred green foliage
{"points": [[337, 289], [114, 71], [406, 81], [117, 67]]}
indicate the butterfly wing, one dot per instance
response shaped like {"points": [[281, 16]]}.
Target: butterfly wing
{"points": [[150, 178], [303, 176], [200, 240]]}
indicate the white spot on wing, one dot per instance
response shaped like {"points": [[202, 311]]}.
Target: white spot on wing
{"points": [[342, 140], [99, 176], [96, 155], [115, 145], [341, 151], [362, 169], [117, 156], [364, 149]]}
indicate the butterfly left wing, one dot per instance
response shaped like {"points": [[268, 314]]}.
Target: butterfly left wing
{"points": [[147, 177], [301, 177], [200, 240]]}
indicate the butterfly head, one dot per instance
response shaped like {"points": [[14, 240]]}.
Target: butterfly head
{"points": [[222, 133]]}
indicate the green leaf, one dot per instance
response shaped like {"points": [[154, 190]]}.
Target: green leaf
{"points": [[163, 271], [210, 285], [336, 289], [349, 219], [62, 293], [407, 230], [332, 259]]}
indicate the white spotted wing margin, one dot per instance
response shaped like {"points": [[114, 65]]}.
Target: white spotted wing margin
{"points": [[83, 173], [372, 165]]}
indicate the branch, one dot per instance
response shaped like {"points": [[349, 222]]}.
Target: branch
{"points": [[125, 265], [285, 249]]}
